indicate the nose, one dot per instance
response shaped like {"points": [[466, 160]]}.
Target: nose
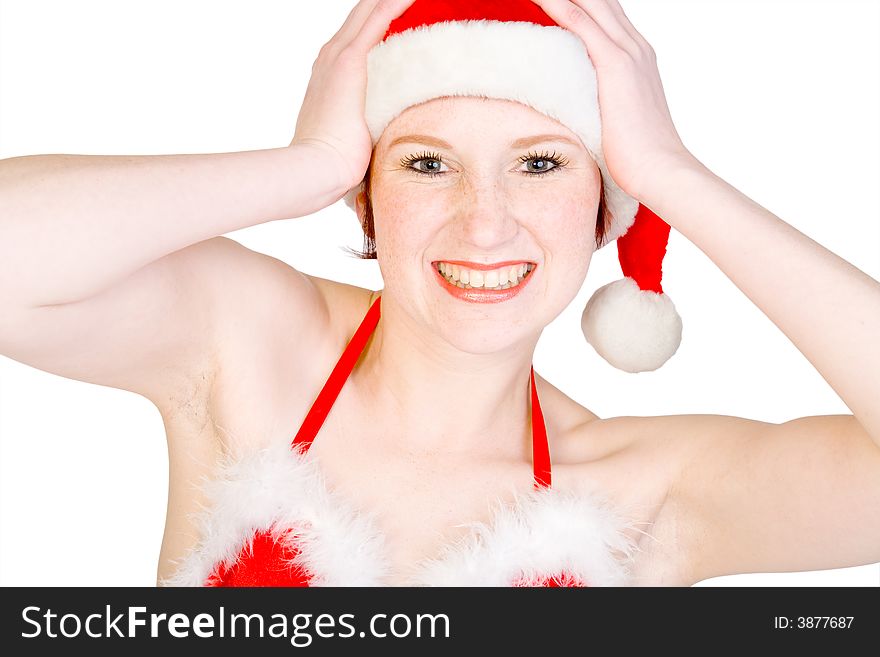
{"points": [[483, 217]]}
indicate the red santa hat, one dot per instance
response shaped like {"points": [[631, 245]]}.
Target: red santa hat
{"points": [[512, 50]]}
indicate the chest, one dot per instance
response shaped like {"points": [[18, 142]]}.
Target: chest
{"points": [[272, 512], [417, 511], [422, 506]]}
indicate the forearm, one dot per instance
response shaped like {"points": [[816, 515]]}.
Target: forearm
{"points": [[827, 307], [73, 225]]}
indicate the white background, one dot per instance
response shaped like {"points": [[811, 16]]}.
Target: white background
{"points": [[779, 98]]}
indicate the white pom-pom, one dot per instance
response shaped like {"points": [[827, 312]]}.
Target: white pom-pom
{"points": [[634, 330]]}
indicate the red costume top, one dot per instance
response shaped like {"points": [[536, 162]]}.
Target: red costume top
{"points": [[272, 521]]}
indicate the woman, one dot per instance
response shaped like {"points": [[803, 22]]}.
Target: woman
{"points": [[682, 519]]}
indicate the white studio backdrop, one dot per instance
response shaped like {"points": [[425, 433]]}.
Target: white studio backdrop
{"points": [[778, 97]]}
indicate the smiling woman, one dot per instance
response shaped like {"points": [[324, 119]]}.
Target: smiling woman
{"points": [[403, 398], [482, 205]]}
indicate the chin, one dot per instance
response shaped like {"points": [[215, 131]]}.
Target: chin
{"points": [[476, 331]]}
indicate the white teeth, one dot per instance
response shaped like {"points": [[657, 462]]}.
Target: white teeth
{"points": [[496, 279]]}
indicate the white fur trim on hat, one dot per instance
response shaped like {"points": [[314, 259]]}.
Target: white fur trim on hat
{"points": [[544, 67], [635, 330]]}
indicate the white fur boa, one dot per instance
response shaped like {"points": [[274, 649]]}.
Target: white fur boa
{"points": [[542, 533]]}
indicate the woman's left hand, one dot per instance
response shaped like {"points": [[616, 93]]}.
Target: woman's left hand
{"points": [[638, 136]]}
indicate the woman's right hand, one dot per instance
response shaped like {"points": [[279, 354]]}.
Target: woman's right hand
{"points": [[332, 115]]}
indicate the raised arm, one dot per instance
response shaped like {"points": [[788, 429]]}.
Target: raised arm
{"points": [[751, 496], [108, 273], [72, 226], [111, 270]]}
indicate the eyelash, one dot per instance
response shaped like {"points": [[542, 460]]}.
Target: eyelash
{"points": [[558, 161]]}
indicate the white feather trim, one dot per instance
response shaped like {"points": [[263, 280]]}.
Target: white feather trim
{"points": [[544, 67], [634, 330], [542, 533], [279, 489]]}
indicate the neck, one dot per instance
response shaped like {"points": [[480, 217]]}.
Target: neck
{"points": [[443, 399]]}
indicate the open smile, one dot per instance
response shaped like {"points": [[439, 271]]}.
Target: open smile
{"points": [[483, 283]]}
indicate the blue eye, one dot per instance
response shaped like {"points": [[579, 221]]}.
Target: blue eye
{"points": [[434, 161], [558, 161], [433, 158]]}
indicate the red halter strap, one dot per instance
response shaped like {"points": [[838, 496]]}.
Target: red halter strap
{"points": [[321, 408], [324, 402], [540, 446]]}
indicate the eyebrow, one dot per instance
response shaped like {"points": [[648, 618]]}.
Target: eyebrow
{"points": [[525, 142]]}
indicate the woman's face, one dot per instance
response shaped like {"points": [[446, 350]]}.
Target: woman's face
{"points": [[490, 203]]}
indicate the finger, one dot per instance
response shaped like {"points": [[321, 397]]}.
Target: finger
{"points": [[567, 14], [605, 17], [378, 21], [626, 23], [353, 23]]}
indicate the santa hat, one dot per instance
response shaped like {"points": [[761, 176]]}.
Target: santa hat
{"points": [[512, 50]]}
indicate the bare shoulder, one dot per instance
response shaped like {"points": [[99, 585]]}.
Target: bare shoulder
{"points": [[669, 440], [278, 331], [639, 462], [634, 462], [746, 496], [282, 332], [563, 417]]}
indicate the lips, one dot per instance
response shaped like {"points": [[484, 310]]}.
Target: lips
{"points": [[454, 277]]}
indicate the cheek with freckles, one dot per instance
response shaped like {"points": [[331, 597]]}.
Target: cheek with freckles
{"points": [[404, 225], [565, 228]]}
